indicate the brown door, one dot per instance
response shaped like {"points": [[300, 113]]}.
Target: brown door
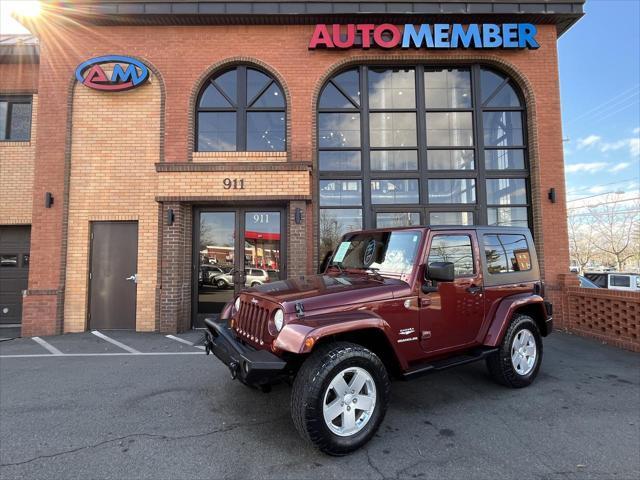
{"points": [[14, 271], [113, 275]]}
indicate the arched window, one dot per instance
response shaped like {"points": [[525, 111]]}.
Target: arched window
{"points": [[241, 109], [412, 145]]}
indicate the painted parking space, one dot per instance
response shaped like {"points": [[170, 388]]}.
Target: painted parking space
{"points": [[107, 343]]}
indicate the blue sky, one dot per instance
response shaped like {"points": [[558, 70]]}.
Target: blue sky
{"points": [[600, 88]]}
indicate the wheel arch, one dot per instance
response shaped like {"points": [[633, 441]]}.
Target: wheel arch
{"points": [[531, 305], [373, 339]]}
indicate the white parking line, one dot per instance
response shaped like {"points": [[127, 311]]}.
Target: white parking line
{"points": [[48, 346], [115, 342], [76, 355], [186, 342]]}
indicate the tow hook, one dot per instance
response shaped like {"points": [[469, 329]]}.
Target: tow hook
{"points": [[233, 367], [207, 343]]}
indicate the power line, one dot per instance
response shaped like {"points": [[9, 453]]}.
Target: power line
{"points": [[612, 102]]}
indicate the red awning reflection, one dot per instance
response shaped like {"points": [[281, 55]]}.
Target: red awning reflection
{"points": [[249, 235]]}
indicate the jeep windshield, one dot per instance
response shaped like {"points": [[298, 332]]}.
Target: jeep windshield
{"points": [[385, 253]]}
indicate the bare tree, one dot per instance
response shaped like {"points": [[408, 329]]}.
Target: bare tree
{"points": [[582, 248], [615, 226]]}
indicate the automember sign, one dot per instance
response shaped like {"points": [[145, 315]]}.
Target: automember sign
{"points": [[438, 35], [127, 73]]}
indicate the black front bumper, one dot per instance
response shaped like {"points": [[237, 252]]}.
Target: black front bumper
{"points": [[250, 366]]}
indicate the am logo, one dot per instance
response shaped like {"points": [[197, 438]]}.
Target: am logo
{"points": [[127, 73]]}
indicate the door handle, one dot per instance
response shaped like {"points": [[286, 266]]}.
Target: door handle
{"points": [[473, 289], [133, 278]]}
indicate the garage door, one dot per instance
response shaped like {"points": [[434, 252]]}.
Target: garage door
{"points": [[14, 271]]}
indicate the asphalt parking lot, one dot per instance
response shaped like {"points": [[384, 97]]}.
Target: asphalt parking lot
{"points": [[160, 408]]}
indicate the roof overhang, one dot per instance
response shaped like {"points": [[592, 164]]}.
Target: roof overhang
{"points": [[562, 13]]}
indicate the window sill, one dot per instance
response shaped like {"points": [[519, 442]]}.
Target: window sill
{"points": [[239, 157]]}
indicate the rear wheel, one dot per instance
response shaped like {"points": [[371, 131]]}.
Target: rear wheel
{"points": [[517, 362], [221, 284], [340, 397]]}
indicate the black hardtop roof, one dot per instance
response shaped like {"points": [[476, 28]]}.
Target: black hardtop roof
{"points": [[480, 228]]}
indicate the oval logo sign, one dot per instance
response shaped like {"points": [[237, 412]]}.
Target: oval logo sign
{"points": [[127, 73]]}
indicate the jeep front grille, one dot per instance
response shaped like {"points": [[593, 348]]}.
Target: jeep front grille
{"points": [[252, 322]]}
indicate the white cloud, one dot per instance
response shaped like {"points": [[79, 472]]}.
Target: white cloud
{"points": [[636, 131], [589, 141], [634, 146], [585, 167], [620, 166], [597, 189]]}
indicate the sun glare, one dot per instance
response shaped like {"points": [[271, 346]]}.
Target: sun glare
{"points": [[24, 8]]}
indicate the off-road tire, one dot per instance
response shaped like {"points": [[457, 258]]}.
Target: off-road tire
{"points": [[309, 387], [499, 364]]}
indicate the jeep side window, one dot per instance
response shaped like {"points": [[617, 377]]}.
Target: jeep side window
{"points": [[506, 253], [455, 249]]}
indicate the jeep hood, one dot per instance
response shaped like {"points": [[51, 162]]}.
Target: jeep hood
{"points": [[330, 290]]}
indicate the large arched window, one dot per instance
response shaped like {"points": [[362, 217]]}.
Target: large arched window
{"points": [[420, 145], [241, 109]]}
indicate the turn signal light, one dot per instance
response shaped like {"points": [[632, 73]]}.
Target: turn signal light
{"points": [[308, 343]]}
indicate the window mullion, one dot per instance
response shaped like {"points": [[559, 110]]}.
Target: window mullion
{"points": [[241, 117], [481, 188], [367, 215], [421, 127]]}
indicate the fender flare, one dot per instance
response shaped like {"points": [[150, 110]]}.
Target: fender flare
{"points": [[293, 337], [504, 313]]}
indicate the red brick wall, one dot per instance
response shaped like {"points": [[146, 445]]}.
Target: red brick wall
{"points": [[18, 78], [183, 54], [610, 316]]}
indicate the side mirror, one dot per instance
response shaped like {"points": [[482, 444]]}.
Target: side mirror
{"points": [[440, 272]]}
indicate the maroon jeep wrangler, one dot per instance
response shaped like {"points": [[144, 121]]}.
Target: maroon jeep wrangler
{"points": [[391, 303]]}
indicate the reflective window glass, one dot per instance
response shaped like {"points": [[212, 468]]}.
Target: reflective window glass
{"points": [[447, 88], [506, 253], [340, 193], [216, 131], [502, 129], [333, 161], [382, 160], [265, 131], [506, 191], [450, 160], [392, 129], [339, 129], [390, 89], [449, 129], [454, 190], [335, 222], [394, 191], [451, 218], [455, 249], [504, 159], [507, 216], [397, 219]]}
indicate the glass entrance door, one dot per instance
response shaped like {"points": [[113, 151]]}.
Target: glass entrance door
{"points": [[235, 249]]}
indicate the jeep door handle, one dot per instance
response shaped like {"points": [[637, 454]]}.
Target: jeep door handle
{"points": [[473, 289]]}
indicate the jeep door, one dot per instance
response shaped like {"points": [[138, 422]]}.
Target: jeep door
{"points": [[452, 313]]}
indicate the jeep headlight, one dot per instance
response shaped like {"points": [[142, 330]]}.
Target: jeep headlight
{"points": [[278, 319], [236, 305]]}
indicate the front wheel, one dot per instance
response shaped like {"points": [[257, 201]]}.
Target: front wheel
{"points": [[517, 362], [340, 397], [221, 284]]}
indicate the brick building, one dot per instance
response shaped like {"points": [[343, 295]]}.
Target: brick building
{"points": [[241, 138]]}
